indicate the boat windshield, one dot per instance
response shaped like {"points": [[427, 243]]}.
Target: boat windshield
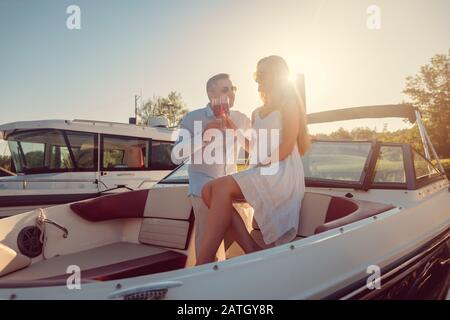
{"points": [[336, 161], [179, 175], [42, 151]]}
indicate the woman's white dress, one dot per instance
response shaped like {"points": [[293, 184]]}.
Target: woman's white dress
{"points": [[276, 198]]}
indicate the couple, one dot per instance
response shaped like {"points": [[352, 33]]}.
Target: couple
{"points": [[275, 198]]}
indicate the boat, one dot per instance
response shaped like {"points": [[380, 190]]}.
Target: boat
{"points": [[374, 224], [62, 161]]}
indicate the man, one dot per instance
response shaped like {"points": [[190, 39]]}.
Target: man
{"points": [[199, 172]]}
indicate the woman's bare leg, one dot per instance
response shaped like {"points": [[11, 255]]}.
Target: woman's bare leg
{"points": [[238, 230], [218, 196], [240, 233], [206, 193]]}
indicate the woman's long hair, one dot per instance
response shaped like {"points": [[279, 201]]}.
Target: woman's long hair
{"points": [[284, 92]]}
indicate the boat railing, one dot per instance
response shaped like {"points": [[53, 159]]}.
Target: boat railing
{"points": [[115, 124], [94, 122]]}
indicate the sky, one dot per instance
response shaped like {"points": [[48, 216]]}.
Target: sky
{"points": [[48, 71]]}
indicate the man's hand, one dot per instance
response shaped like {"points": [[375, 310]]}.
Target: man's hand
{"points": [[214, 124], [227, 122], [221, 124]]}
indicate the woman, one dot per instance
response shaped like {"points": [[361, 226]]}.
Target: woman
{"points": [[275, 198]]}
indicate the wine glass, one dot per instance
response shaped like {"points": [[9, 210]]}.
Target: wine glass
{"points": [[220, 107]]}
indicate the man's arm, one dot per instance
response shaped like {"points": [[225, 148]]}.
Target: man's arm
{"points": [[186, 145], [190, 139]]}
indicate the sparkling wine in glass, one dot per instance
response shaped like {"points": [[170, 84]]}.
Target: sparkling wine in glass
{"points": [[220, 106]]}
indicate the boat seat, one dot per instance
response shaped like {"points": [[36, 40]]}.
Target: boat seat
{"points": [[11, 261], [109, 262], [322, 212], [165, 223], [364, 210], [115, 206]]}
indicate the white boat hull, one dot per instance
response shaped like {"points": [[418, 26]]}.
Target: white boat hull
{"points": [[313, 268]]}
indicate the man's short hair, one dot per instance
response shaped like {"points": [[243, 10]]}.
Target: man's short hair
{"points": [[213, 79]]}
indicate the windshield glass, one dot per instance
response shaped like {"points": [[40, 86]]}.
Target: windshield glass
{"points": [[5, 160], [52, 151], [337, 161], [179, 175], [423, 168], [390, 166], [326, 160]]}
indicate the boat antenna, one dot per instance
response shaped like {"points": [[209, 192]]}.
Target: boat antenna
{"points": [[136, 98]]}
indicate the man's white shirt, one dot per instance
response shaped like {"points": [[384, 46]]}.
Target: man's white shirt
{"points": [[201, 173]]}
